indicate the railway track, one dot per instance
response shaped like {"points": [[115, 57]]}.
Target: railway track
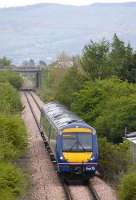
{"points": [[69, 196]]}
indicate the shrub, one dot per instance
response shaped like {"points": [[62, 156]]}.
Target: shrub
{"points": [[114, 159], [12, 182], [12, 137], [9, 99], [127, 188], [13, 78]]}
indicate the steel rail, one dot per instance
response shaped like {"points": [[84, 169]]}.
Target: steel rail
{"points": [[93, 192], [33, 113], [47, 146], [39, 107], [65, 186]]}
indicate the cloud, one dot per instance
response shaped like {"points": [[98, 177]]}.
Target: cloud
{"points": [[10, 3]]}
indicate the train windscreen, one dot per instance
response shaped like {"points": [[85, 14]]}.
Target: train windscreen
{"points": [[77, 142]]}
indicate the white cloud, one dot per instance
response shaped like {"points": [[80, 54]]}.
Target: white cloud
{"points": [[9, 3]]}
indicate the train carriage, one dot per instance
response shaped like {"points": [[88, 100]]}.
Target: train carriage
{"points": [[73, 142]]}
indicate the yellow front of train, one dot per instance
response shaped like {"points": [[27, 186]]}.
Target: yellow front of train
{"points": [[77, 145], [79, 152]]}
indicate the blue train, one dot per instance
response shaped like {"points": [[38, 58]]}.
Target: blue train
{"points": [[73, 142]]}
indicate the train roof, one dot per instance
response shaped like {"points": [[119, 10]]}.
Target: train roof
{"points": [[61, 118]]}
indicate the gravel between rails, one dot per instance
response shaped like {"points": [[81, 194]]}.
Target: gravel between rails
{"points": [[80, 192], [104, 191], [41, 103], [77, 191], [45, 182]]}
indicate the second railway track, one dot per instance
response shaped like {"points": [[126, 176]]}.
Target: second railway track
{"points": [[71, 192]]}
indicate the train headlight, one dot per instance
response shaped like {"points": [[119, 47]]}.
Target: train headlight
{"points": [[61, 158], [92, 158]]}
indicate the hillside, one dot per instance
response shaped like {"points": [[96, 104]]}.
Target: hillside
{"points": [[44, 30]]}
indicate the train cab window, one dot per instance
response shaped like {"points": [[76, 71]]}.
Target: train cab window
{"points": [[77, 142]]}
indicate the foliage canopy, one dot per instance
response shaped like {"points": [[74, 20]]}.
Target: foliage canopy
{"points": [[109, 105]]}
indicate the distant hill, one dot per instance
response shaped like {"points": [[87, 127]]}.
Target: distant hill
{"points": [[43, 31]]}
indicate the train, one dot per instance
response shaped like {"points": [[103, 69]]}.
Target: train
{"points": [[72, 141]]}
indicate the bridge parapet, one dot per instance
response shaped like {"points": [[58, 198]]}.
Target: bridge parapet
{"points": [[20, 69], [23, 69]]}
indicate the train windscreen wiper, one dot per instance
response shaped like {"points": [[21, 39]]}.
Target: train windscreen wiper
{"points": [[77, 143]]}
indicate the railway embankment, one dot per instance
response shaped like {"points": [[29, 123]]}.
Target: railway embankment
{"points": [[13, 139]]}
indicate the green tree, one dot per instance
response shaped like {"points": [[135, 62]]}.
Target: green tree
{"points": [[71, 82], [128, 70], [123, 60], [5, 62], [109, 105], [118, 52], [95, 60], [51, 78]]}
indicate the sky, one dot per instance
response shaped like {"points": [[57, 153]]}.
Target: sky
{"points": [[14, 3]]}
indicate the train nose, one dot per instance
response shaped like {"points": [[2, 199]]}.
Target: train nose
{"points": [[77, 157]]}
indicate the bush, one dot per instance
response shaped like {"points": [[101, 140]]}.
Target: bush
{"points": [[127, 188], [9, 99], [12, 182], [109, 105], [13, 140], [114, 159], [13, 78], [12, 137]]}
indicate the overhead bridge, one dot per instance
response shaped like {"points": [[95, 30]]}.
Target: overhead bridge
{"points": [[27, 70]]}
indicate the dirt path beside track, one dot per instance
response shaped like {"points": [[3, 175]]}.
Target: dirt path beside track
{"points": [[45, 183]]}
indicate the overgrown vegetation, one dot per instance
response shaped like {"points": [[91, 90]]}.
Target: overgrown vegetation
{"points": [[127, 188], [109, 105], [12, 78], [9, 99], [12, 182], [101, 88], [12, 137], [115, 159]]}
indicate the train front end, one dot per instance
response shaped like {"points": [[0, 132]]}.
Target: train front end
{"points": [[78, 150]]}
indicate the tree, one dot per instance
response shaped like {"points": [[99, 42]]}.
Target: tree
{"points": [[42, 64], [71, 82], [29, 63], [5, 62], [51, 78], [95, 60], [123, 60], [64, 60], [109, 105], [128, 70], [118, 52]]}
